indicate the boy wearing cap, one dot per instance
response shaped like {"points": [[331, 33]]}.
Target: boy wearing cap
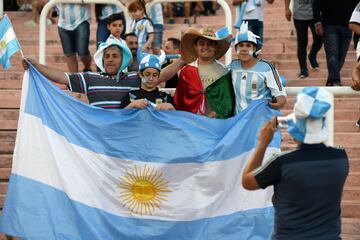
{"points": [[149, 71], [254, 78], [108, 89], [308, 181]]}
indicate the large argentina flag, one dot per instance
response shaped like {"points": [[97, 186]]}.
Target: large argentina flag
{"points": [[80, 172]]}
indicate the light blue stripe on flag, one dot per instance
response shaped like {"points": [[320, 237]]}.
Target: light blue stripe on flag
{"points": [[81, 172], [9, 44]]}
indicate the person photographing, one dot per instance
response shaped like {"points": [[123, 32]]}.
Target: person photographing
{"points": [[309, 180]]}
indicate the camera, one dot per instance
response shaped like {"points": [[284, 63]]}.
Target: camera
{"points": [[281, 122]]}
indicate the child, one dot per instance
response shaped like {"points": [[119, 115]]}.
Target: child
{"points": [[149, 71], [141, 25], [115, 26]]}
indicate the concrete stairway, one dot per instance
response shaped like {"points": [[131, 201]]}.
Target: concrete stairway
{"points": [[280, 48]]}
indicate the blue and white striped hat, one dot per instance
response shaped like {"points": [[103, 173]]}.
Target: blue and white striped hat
{"points": [[307, 123], [244, 35]]}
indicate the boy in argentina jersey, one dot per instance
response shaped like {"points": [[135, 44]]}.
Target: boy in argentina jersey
{"points": [[149, 71], [253, 78]]}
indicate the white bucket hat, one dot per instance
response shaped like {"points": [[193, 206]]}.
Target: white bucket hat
{"points": [[111, 41], [307, 123]]}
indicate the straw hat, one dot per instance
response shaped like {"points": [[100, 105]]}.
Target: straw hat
{"points": [[191, 35]]}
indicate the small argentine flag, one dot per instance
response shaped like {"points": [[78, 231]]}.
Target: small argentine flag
{"points": [[8, 42]]}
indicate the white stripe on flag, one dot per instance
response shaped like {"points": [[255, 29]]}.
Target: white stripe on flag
{"points": [[9, 36], [197, 191]]}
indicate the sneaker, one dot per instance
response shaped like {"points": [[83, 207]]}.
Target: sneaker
{"points": [[186, 21], [304, 73], [30, 23], [22, 7], [48, 22], [313, 63], [358, 123], [171, 21]]}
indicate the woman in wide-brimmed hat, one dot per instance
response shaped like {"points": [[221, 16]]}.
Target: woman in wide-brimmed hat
{"points": [[204, 85]]}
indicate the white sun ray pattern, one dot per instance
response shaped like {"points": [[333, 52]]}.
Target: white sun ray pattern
{"points": [[143, 190]]}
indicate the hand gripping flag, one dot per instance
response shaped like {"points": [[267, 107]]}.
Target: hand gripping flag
{"points": [[9, 44], [81, 172]]}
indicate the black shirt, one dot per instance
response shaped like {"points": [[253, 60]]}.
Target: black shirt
{"points": [[156, 96], [308, 184], [333, 12]]}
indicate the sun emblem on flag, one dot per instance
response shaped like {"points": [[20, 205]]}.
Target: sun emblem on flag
{"points": [[2, 44], [143, 190]]}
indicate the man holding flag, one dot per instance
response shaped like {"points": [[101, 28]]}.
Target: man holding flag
{"points": [[9, 44], [108, 89]]}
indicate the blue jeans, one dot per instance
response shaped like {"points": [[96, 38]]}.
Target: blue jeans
{"points": [[76, 41], [336, 44], [158, 35], [301, 27]]}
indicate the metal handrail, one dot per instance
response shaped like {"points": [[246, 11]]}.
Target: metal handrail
{"points": [[52, 3], [222, 3]]}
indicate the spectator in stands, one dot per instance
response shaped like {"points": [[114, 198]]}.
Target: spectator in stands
{"points": [[132, 42], [201, 81], [303, 19], [109, 89], [157, 19], [331, 21], [254, 15], [115, 26], [74, 31], [141, 25], [37, 6], [171, 47], [254, 78], [308, 181], [354, 26], [102, 13], [149, 71]]}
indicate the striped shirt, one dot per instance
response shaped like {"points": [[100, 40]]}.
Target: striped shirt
{"points": [[142, 28], [72, 15], [261, 81], [109, 10], [103, 91]]}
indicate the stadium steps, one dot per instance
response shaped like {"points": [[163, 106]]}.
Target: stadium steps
{"points": [[280, 49]]}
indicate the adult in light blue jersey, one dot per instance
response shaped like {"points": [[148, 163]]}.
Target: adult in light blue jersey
{"points": [[103, 12], [74, 31], [254, 78]]}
